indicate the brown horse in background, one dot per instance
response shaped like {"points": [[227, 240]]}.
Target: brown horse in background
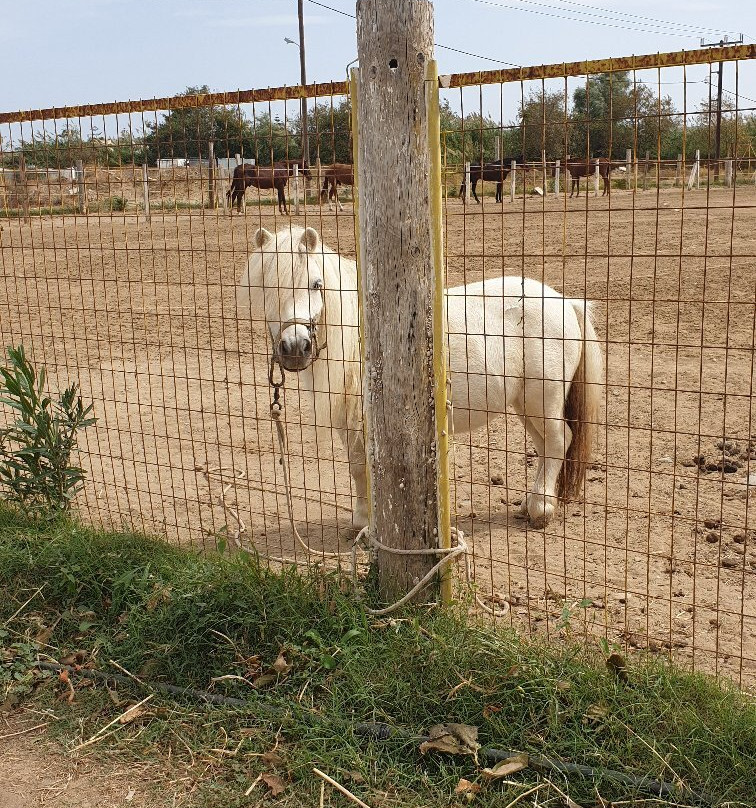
{"points": [[496, 171], [333, 176], [586, 168], [264, 178]]}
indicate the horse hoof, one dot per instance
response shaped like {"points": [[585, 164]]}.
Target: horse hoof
{"points": [[540, 513], [360, 516]]}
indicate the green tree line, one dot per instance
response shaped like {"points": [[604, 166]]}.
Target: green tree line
{"points": [[607, 115]]}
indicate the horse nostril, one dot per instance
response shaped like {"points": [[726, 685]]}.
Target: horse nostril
{"points": [[306, 345]]}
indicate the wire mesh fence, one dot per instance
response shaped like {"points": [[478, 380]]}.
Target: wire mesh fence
{"points": [[126, 230]]}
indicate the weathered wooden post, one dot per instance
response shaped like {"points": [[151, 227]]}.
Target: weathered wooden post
{"points": [[556, 177], [398, 248], [512, 180], [678, 170], [146, 191], [728, 173], [645, 171], [82, 197], [24, 186], [296, 189], [211, 175], [543, 171], [629, 168], [318, 178], [596, 174], [466, 194], [497, 148]]}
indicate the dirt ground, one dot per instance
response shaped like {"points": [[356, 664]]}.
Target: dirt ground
{"points": [[662, 555], [34, 771]]}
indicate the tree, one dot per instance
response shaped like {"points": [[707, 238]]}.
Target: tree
{"points": [[543, 124], [330, 132], [186, 133]]}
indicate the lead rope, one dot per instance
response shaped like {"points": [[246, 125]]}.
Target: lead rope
{"points": [[370, 543]]}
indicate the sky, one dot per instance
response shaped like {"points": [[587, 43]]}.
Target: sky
{"points": [[70, 52]]}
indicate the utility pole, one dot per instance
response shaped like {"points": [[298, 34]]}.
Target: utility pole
{"points": [[718, 130], [303, 78]]}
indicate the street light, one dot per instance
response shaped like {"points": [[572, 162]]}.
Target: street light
{"points": [[303, 80]]}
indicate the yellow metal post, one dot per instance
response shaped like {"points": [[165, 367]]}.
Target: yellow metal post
{"points": [[439, 317], [354, 77]]}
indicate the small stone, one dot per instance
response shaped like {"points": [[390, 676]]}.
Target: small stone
{"points": [[666, 459], [497, 479], [730, 563], [738, 548], [711, 523], [714, 622], [690, 463], [712, 537], [739, 538], [623, 597], [752, 479], [681, 486]]}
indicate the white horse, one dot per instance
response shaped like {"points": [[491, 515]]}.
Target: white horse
{"points": [[515, 345]]}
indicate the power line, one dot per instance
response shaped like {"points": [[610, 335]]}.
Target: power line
{"points": [[606, 13], [437, 44], [604, 22]]}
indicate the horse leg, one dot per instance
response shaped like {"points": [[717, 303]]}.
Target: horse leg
{"points": [[358, 472], [499, 191], [473, 186], [462, 192], [532, 430], [336, 194], [282, 201]]}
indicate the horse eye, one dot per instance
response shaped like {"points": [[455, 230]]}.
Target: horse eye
{"points": [[318, 284]]}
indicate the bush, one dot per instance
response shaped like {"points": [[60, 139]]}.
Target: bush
{"points": [[117, 204], [36, 449]]}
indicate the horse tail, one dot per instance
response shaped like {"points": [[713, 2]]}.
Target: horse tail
{"points": [[324, 191], [581, 407]]}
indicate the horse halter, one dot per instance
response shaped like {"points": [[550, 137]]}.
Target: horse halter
{"points": [[311, 324]]}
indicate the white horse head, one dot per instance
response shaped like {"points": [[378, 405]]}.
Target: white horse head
{"points": [[284, 286]]}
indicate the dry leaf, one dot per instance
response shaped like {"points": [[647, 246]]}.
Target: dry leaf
{"points": [[466, 787], [455, 739], [596, 712], [274, 783], [265, 680], [272, 758], [281, 665], [491, 709], [509, 766], [617, 665], [131, 715]]}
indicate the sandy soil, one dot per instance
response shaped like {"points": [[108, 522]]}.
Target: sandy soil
{"points": [[144, 317]]}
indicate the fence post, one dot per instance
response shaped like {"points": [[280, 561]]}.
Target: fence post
{"points": [[678, 170], [543, 169], [629, 168], [146, 191], [466, 194], [82, 187], [497, 148], [645, 171], [596, 178], [728, 173], [319, 179], [211, 175], [394, 46], [512, 179], [296, 190], [23, 183], [556, 177], [695, 172]]}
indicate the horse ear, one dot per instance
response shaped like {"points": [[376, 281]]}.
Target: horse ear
{"points": [[262, 237], [310, 240]]}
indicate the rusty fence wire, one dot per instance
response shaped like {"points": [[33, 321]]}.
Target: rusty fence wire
{"points": [[621, 182]]}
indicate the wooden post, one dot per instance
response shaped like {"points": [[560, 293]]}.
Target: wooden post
{"points": [[629, 168], [556, 177], [645, 171], [466, 194], [296, 189], [512, 179], [695, 172], [596, 178], [82, 198], [497, 148], [394, 45], [543, 171], [211, 175], [319, 179], [678, 170], [24, 188], [146, 191], [728, 173]]}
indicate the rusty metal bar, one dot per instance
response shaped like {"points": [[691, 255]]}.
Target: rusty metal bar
{"points": [[648, 61]]}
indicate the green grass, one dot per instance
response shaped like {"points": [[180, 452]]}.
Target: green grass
{"points": [[177, 617]]}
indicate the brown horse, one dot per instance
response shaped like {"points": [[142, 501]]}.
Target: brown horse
{"points": [[333, 176], [489, 172], [586, 168], [264, 178]]}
